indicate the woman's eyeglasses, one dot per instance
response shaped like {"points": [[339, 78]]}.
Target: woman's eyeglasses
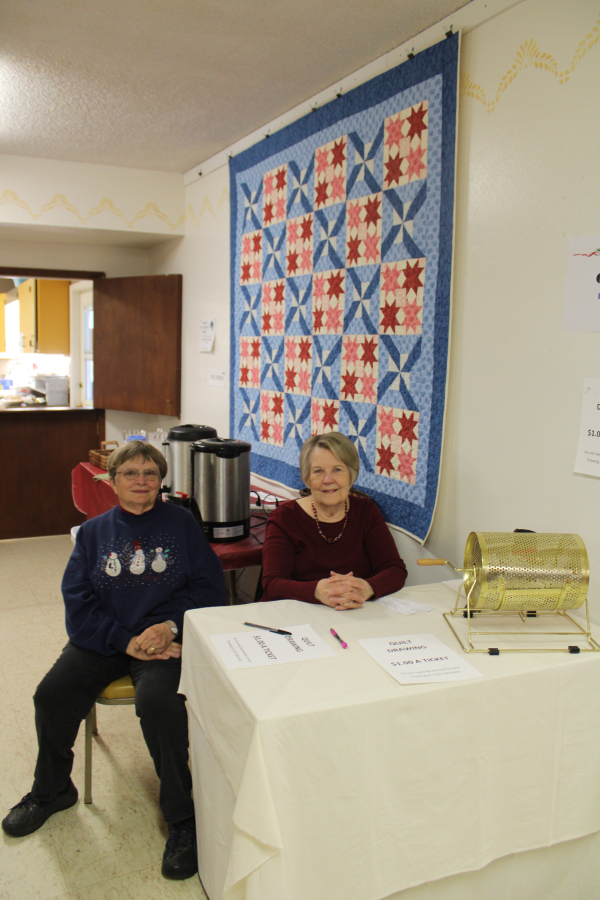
{"points": [[132, 474]]}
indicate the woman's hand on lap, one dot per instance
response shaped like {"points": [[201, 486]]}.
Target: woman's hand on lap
{"points": [[156, 642], [156, 638]]}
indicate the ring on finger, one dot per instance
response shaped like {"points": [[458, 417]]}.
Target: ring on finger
{"points": [[152, 649]]}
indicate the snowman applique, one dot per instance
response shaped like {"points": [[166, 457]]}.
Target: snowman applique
{"points": [[138, 563], [113, 566], [159, 563]]}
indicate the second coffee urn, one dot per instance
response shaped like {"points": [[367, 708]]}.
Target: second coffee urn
{"points": [[178, 484]]}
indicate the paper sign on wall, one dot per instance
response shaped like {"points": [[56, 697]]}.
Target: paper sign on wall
{"points": [[581, 309], [418, 659], [207, 335], [587, 461], [217, 377], [246, 649]]}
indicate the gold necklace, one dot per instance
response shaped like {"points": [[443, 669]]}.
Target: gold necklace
{"points": [[334, 539]]}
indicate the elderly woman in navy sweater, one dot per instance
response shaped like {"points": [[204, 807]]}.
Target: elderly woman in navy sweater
{"points": [[332, 546], [134, 572]]}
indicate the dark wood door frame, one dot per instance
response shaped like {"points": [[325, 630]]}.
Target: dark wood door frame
{"points": [[71, 274]]}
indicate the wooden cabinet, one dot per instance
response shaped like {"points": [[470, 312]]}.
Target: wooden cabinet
{"points": [[137, 344], [27, 316], [44, 316], [52, 302], [40, 448]]}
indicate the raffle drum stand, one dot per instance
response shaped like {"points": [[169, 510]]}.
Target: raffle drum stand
{"points": [[524, 575]]}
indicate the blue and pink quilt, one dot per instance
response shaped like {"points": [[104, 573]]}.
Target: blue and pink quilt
{"points": [[341, 263]]}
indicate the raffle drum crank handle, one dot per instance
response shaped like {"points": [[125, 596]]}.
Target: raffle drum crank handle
{"points": [[442, 562]]}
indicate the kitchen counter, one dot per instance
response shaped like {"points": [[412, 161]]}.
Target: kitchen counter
{"points": [[40, 447], [22, 409]]}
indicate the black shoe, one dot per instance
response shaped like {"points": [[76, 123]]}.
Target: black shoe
{"points": [[180, 859], [30, 814]]}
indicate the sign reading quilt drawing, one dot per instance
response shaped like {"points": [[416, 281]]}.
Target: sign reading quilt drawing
{"points": [[341, 262]]}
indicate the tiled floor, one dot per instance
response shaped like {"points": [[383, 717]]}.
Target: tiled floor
{"points": [[110, 850]]}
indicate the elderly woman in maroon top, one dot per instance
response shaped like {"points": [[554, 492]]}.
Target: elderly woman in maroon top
{"points": [[332, 546]]}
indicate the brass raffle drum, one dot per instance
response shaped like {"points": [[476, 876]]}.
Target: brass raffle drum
{"points": [[527, 575]]}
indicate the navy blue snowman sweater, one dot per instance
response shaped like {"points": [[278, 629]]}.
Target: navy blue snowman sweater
{"points": [[128, 572]]}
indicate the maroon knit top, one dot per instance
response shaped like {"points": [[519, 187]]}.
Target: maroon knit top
{"points": [[295, 556]]}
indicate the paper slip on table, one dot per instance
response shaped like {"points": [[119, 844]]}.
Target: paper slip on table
{"points": [[328, 780]]}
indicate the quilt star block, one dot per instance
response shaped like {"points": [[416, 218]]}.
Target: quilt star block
{"points": [[251, 258], [330, 173], [363, 231], [272, 417], [405, 146], [298, 365], [401, 297], [328, 302], [249, 371], [274, 195], [325, 416], [359, 368], [273, 308], [397, 443], [299, 252]]}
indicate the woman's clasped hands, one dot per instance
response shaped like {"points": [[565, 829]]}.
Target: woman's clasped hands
{"points": [[156, 642], [343, 591]]}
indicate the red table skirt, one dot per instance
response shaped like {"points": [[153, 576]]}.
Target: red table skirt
{"points": [[93, 498]]}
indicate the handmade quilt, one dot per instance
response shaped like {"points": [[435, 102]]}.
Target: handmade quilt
{"points": [[341, 261]]}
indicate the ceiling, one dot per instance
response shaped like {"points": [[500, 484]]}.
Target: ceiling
{"points": [[166, 84]]}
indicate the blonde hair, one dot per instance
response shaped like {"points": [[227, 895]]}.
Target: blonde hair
{"points": [[338, 444]]}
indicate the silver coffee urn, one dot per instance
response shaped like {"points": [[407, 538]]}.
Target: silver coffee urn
{"points": [[177, 486], [221, 487]]}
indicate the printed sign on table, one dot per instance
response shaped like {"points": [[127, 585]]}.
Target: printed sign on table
{"points": [[418, 659], [246, 649]]}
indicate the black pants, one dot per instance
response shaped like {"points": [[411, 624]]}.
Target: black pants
{"points": [[65, 696]]}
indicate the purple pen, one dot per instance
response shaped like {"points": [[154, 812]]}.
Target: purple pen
{"points": [[336, 635]]}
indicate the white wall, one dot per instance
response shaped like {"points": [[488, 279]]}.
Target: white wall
{"points": [[54, 193], [527, 180], [116, 262], [202, 257]]}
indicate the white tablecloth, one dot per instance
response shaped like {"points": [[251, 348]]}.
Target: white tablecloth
{"points": [[329, 780]]}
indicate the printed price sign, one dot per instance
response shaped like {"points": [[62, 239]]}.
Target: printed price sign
{"points": [[587, 461]]}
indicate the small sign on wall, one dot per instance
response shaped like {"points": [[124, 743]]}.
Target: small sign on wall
{"points": [[217, 377], [581, 309], [207, 335], [587, 461]]}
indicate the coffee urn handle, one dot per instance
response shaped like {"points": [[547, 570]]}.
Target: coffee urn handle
{"points": [[165, 488]]}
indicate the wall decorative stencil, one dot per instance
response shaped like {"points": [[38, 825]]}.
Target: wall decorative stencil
{"points": [[526, 56], [341, 256]]}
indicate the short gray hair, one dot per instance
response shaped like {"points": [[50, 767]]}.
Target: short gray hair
{"points": [[132, 449], [338, 444]]}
